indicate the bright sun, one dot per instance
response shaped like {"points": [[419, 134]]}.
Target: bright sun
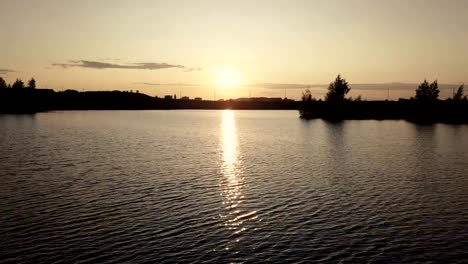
{"points": [[228, 78]]}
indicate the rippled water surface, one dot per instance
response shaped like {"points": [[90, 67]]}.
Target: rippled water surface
{"points": [[230, 186]]}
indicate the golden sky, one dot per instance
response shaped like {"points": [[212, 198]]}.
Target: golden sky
{"points": [[238, 48]]}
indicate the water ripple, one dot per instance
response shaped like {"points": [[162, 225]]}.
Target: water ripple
{"points": [[230, 186]]}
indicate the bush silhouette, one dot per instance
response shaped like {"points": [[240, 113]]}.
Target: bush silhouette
{"points": [[459, 94], [18, 84], [32, 84], [337, 90], [307, 96], [3, 84], [427, 92]]}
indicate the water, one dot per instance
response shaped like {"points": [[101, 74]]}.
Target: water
{"points": [[230, 186]]}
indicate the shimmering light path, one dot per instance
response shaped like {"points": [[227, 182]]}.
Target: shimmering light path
{"points": [[229, 186]]}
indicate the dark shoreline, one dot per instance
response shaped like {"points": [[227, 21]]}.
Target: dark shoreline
{"points": [[410, 110], [41, 100], [29, 101]]}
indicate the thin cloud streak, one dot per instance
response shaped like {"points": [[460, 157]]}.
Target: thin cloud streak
{"points": [[193, 69], [167, 84], [281, 86], [134, 66], [396, 86], [5, 71], [356, 86]]}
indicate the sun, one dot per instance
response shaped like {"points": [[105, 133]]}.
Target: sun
{"points": [[228, 78]]}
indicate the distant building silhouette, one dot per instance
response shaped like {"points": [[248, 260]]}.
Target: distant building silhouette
{"points": [[259, 99]]}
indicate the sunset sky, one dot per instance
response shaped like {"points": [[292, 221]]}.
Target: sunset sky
{"points": [[237, 47]]}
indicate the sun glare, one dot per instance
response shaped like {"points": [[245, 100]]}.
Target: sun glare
{"points": [[228, 78]]}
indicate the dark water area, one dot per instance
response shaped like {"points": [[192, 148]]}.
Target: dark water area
{"points": [[230, 187]]}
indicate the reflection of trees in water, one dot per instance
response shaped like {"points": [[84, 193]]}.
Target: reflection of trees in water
{"points": [[424, 148], [432, 157], [337, 160], [335, 139]]}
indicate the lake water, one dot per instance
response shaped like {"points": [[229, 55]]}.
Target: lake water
{"points": [[230, 186]]}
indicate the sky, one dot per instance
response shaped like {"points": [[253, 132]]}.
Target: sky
{"points": [[232, 49]]}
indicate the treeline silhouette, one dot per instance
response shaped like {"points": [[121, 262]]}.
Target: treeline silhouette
{"points": [[19, 99], [424, 107], [18, 84]]}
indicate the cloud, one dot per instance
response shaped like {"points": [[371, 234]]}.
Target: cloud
{"points": [[110, 59], [396, 86], [193, 69], [281, 86], [354, 86], [106, 65], [5, 71], [167, 84]]}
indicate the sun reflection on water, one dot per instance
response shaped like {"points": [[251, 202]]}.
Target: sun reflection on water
{"points": [[233, 182], [232, 190]]}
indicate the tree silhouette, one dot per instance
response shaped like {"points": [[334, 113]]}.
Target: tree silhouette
{"points": [[337, 90], [307, 96], [32, 84], [427, 92], [3, 84], [459, 94], [18, 84]]}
